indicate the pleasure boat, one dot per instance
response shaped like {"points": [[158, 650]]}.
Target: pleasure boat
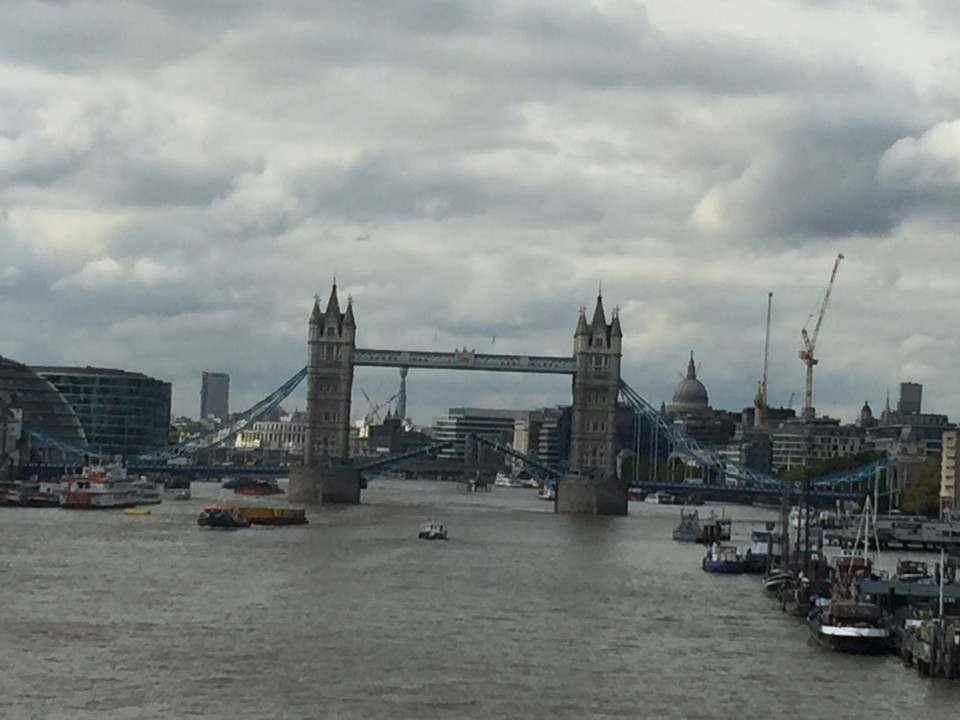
{"points": [[100, 487], [149, 491], [432, 530], [850, 626]]}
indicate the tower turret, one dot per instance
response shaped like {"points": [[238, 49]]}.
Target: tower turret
{"points": [[596, 387]]}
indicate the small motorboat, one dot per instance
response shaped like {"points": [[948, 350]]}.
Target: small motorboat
{"points": [[138, 512], [432, 530], [222, 517]]}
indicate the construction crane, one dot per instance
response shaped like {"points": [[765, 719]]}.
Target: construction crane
{"points": [[373, 417], [760, 403], [810, 344]]}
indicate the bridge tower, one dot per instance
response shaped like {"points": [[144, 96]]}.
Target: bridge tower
{"points": [[325, 475], [593, 486]]}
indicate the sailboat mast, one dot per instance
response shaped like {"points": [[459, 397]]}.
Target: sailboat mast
{"points": [[942, 558]]}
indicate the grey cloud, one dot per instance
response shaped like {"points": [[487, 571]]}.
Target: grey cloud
{"points": [[817, 179]]}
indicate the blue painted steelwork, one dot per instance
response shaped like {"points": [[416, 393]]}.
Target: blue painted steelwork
{"points": [[395, 461], [540, 471], [466, 360], [63, 447], [734, 475], [212, 439], [726, 471]]}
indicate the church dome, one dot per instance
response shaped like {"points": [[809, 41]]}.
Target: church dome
{"points": [[691, 394]]}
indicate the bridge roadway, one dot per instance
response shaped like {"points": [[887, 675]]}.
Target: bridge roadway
{"points": [[465, 360]]}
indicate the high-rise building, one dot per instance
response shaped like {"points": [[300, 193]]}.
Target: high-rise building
{"points": [[214, 395], [911, 395], [122, 413]]}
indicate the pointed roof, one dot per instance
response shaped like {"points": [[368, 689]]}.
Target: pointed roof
{"points": [[333, 304], [348, 319], [316, 317], [599, 318], [615, 330], [582, 328]]}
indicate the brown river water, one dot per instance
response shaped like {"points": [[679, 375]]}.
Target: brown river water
{"points": [[520, 614]]}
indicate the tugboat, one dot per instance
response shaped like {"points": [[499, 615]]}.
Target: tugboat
{"points": [[222, 517], [689, 528], [432, 530]]}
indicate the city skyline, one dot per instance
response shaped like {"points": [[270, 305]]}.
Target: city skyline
{"points": [[470, 174]]}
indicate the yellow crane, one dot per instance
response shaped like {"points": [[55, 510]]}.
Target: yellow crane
{"points": [[810, 344]]}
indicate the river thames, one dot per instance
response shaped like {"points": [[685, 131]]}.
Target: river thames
{"points": [[520, 614]]}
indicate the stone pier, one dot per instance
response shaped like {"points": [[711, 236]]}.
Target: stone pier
{"points": [[580, 495], [321, 485]]}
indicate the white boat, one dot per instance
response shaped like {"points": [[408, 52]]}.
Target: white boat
{"points": [[504, 480], [547, 492], [661, 498], [432, 530], [149, 491], [182, 493], [100, 487], [850, 626]]}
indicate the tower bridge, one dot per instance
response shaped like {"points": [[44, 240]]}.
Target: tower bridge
{"points": [[326, 474]]}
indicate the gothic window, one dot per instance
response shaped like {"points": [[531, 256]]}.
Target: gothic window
{"points": [[331, 331]]}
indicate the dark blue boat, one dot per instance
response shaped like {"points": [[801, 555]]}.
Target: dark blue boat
{"points": [[725, 559]]}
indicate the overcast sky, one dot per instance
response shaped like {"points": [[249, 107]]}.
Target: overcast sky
{"points": [[177, 180]]}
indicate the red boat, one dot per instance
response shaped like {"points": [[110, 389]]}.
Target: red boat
{"points": [[636, 494], [258, 488]]}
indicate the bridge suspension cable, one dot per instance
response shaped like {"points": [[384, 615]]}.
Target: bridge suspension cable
{"points": [[734, 473]]}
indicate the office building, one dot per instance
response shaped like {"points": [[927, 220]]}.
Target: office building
{"points": [[214, 396], [122, 413]]}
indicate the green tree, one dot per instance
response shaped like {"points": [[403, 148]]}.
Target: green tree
{"points": [[922, 495]]}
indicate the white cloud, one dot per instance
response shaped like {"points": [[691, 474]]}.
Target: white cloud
{"points": [[214, 163]]}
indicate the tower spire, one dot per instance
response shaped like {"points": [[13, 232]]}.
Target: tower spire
{"points": [[691, 368]]}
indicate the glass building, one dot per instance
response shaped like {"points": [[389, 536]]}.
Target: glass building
{"points": [[51, 429], [122, 413]]}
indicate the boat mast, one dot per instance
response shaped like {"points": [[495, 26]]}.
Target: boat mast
{"points": [[940, 614]]}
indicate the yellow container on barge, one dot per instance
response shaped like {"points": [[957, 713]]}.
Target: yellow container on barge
{"points": [[257, 515]]}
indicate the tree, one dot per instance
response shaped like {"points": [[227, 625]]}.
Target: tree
{"points": [[922, 495]]}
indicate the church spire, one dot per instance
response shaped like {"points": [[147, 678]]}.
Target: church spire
{"points": [[691, 368]]}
